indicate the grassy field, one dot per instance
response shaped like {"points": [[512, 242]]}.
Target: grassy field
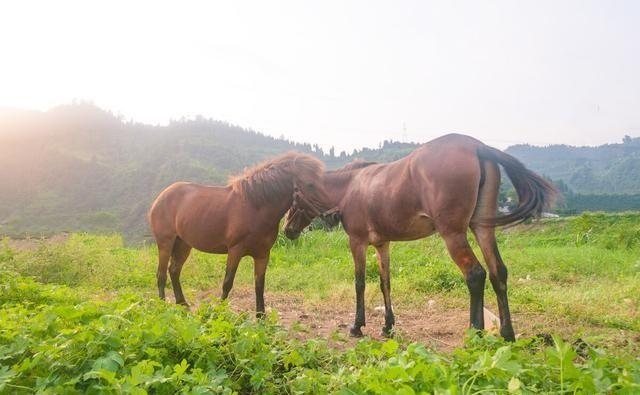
{"points": [[80, 314]]}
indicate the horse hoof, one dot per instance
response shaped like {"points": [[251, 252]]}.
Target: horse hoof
{"points": [[508, 335], [356, 332], [387, 332], [260, 315], [183, 304]]}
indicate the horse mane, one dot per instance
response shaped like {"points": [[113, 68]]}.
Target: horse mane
{"points": [[272, 180], [356, 164]]}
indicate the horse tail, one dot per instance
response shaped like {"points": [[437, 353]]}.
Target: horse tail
{"points": [[535, 194]]}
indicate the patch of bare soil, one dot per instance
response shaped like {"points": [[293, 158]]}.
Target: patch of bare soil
{"points": [[440, 328]]}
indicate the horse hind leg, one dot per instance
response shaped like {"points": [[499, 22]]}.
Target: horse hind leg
{"points": [[179, 255], [473, 272], [455, 209], [486, 237], [165, 246], [497, 275]]}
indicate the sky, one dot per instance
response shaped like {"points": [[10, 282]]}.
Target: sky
{"points": [[339, 73]]}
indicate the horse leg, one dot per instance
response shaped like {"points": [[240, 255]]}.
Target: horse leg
{"points": [[233, 259], [486, 206], [179, 255], [382, 253], [259, 270], [497, 275], [473, 272], [164, 254], [359, 252]]}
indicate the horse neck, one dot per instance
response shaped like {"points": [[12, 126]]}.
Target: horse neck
{"points": [[336, 184], [278, 207]]}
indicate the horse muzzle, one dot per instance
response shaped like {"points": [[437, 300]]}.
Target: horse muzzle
{"points": [[292, 234], [331, 217]]}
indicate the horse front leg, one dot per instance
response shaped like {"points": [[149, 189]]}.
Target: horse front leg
{"points": [[359, 252], [259, 271], [382, 253]]}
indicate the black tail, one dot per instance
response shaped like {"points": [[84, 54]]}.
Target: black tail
{"points": [[535, 194]]}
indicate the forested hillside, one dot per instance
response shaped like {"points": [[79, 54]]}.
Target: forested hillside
{"points": [[77, 167], [603, 178], [609, 168]]}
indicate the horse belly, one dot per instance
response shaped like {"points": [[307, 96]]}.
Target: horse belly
{"points": [[217, 249], [208, 235], [418, 228], [203, 243]]}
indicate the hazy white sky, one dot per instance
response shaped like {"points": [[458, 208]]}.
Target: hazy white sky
{"points": [[343, 73]]}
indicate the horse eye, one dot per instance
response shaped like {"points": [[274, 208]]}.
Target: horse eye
{"points": [[311, 186]]}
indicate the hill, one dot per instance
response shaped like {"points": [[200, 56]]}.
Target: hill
{"points": [[80, 168], [609, 168]]}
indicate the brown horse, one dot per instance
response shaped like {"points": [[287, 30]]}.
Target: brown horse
{"points": [[240, 219], [447, 186]]}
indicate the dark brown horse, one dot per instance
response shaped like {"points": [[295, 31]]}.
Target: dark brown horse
{"points": [[240, 219], [447, 186]]}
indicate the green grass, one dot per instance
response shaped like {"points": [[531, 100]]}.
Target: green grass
{"points": [[56, 340], [578, 278], [584, 270]]}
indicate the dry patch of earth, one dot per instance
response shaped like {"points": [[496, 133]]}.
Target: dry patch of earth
{"points": [[438, 327]]}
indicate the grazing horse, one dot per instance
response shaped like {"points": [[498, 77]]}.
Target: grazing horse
{"points": [[447, 186], [240, 219]]}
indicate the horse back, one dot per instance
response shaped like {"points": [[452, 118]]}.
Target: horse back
{"points": [[409, 198]]}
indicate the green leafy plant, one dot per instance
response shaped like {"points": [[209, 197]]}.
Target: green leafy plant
{"points": [[53, 340]]}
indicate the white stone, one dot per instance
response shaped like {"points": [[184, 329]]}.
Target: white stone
{"points": [[491, 320]]}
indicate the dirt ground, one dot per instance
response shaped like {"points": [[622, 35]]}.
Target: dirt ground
{"points": [[440, 328], [32, 243]]}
